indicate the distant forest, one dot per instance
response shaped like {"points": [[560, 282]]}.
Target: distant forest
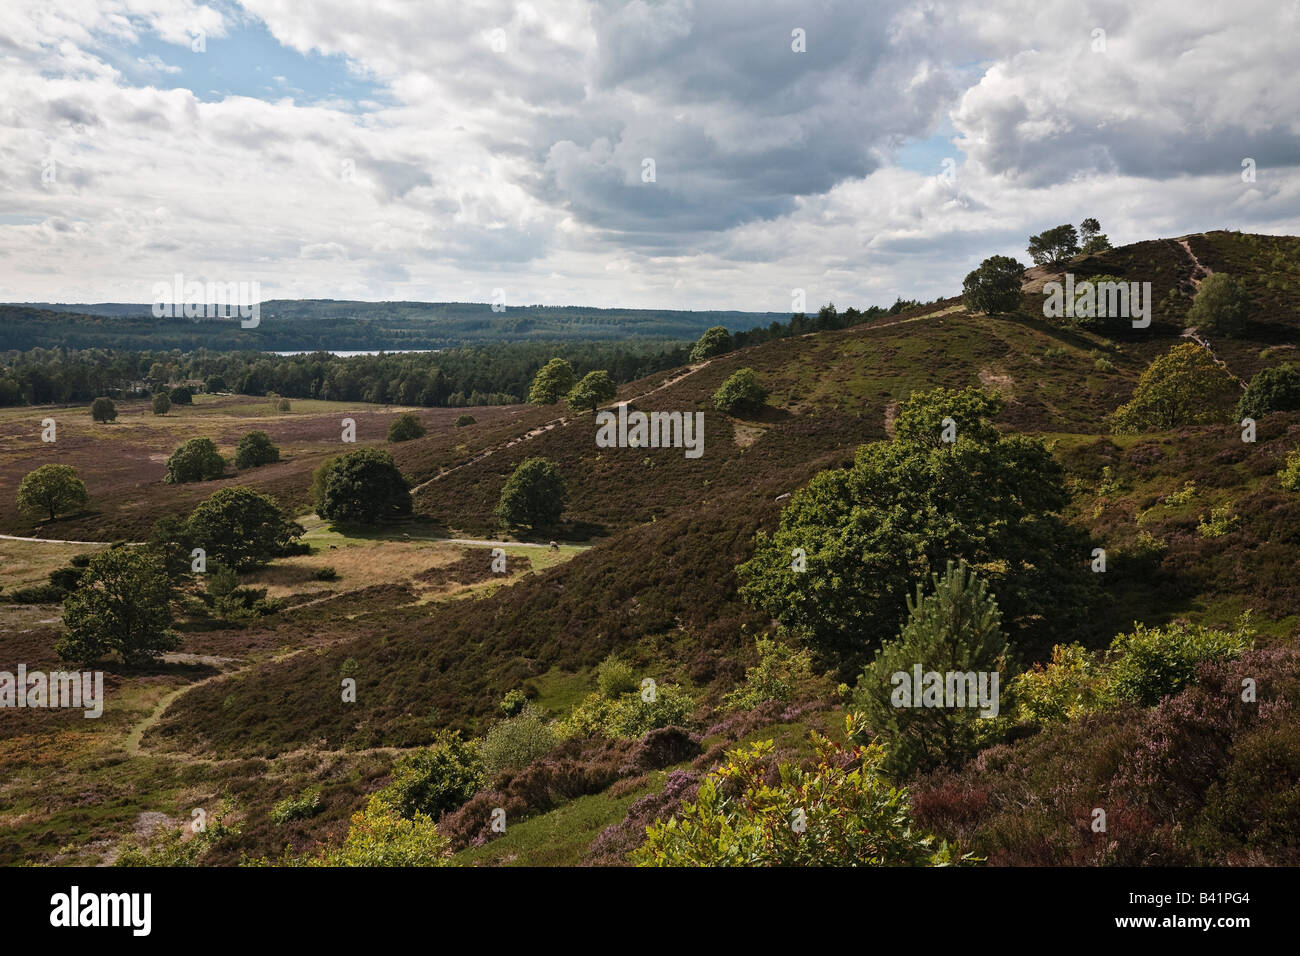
{"points": [[307, 324], [495, 375]]}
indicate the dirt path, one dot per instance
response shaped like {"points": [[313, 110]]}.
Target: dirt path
{"points": [[1199, 271], [12, 537], [554, 423]]}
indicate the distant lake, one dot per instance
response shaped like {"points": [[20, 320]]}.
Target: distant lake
{"points": [[348, 353]]}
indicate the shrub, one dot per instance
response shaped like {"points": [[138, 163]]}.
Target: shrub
{"points": [[839, 812], [380, 836], [1072, 684], [615, 677], [363, 485], [196, 460], [957, 628], [780, 671], [740, 393], [513, 703], [103, 410], [534, 495], [405, 427], [1289, 476], [463, 420], [1222, 520], [182, 395], [437, 778], [1151, 663], [180, 846], [254, 450], [161, 404], [326, 573], [302, 807], [517, 741], [630, 715], [283, 405], [994, 287], [51, 489], [595, 389], [38, 594], [1221, 307], [1272, 390], [222, 581], [714, 341], [554, 380]]}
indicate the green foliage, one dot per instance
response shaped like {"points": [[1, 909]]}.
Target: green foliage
{"points": [[256, 449], [161, 404], [463, 420], [903, 511], [630, 715], [196, 460], [241, 528], [1072, 684], [615, 677], [326, 573], [182, 395], [839, 812], [221, 580], [714, 341], [302, 807], [1222, 306], [404, 428], [283, 405], [554, 380], [1153, 663], [1053, 246], [1093, 239], [1289, 476], [51, 489], [594, 390], [181, 846], [517, 741], [103, 410], [123, 606], [994, 287], [1185, 386], [214, 384], [957, 628], [1272, 390], [363, 485], [1222, 520], [437, 778], [380, 836], [780, 672], [741, 392], [513, 703], [534, 495]]}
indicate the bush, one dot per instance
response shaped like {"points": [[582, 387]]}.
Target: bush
{"points": [[363, 485], [215, 384], [1153, 663], [463, 420], [595, 389], [405, 427], [1072, 684], [182, 395], [1289, 476], [196, 460], [840, 812], [241, 528], [1272, 390], [1221, 307], [957, 628], [222, 581], [615, 677], [103, 410], [740, 393], [436, 778], [534, 495], [513, 703], [781, 670], [994, 287], [630, 715], [51, 489], [283, 405], [714, 341], [38, 594], [302, 807], [254, 450], [1222, 520], [379, 836], [517, 741], [326, 573], [161, 404]]}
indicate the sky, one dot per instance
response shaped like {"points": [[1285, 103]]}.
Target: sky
{"points": [[641, 153]]}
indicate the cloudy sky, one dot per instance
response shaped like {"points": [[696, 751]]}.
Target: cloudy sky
{"points": [[413, 149]]}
